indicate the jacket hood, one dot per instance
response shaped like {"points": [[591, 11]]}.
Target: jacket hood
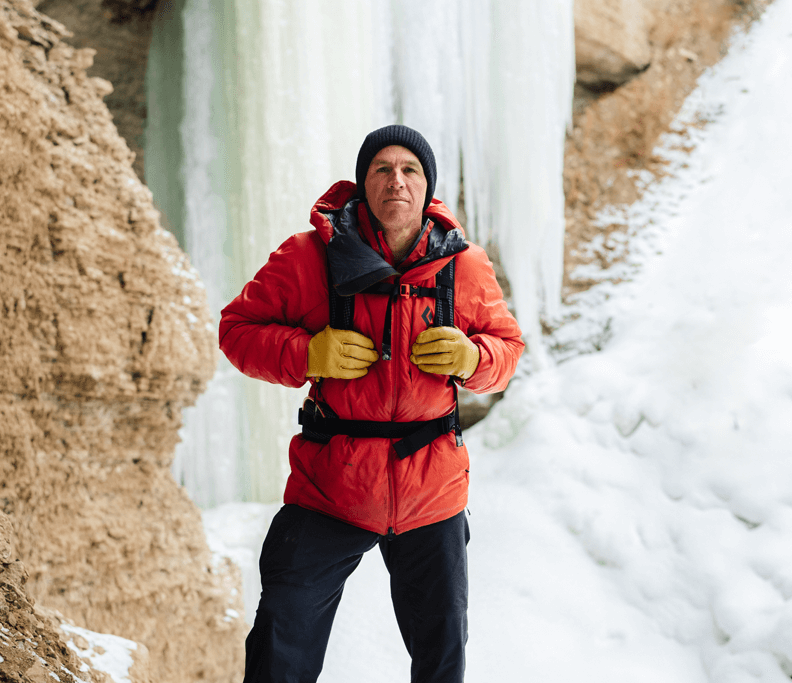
{"points": [[354, 265]]}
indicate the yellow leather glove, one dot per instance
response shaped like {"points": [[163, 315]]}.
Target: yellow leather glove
{"points": [[445, 351], [340, 354]]}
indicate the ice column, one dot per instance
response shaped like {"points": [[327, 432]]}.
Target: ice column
{"points": [[276, 98], [429, 84], [191, 170], [532, 75], [302, 115], [492, 91]]}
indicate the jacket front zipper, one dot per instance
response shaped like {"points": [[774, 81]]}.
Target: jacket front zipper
{"points": [[394, 367]]}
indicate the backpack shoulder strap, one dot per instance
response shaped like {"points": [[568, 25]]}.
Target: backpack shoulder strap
{"points": [[444, 316], [342, 308], [444, 300]]}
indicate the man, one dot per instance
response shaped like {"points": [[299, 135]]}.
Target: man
{"points": [[381, 459]]}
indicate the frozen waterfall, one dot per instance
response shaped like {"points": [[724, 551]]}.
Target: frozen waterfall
{"points": [[275, 97]]}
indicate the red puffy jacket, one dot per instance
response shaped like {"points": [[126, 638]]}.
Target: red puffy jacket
{"points": [[265, 333]]}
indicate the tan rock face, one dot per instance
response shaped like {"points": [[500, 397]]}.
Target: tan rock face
{"points": [[120, 33], [611, 41], [104, 338], [32, 647]]}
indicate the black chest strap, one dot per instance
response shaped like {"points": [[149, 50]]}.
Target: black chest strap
{"points": [[342, 308]]}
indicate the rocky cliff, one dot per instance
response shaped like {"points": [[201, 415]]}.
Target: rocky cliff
{"points": [[104, 338]]}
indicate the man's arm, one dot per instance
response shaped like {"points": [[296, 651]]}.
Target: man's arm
{"points": [[266, 330], [482, 314]]}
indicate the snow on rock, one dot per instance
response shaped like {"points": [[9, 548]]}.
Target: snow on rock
{"points": [[113, 655]]}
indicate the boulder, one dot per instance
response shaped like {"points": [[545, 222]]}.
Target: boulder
{"points": [[611, 41]]}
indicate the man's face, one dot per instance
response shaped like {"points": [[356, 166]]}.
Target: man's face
{"points": [[396, 188]]}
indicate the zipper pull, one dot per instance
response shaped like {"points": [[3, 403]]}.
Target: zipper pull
{"points": [[386, 333]]}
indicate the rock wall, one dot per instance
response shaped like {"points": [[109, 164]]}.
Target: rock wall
{"points": [[34, 648], [31, 649], [104, 338], [120, 33]]}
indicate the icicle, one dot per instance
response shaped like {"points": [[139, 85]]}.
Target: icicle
{"points": [[206, 459], [429, 83], [531, 98], [475, 35]]}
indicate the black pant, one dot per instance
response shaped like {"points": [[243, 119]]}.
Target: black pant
{"points": [[305, 560]]}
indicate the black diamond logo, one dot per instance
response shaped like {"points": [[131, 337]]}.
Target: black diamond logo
{"points": [[427, 316]]}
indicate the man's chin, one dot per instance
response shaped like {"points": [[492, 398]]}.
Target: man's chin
{"points": [[391, 223]]}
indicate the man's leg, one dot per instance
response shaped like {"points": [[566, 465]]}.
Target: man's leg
{"points": [[429, 586], [305, 560]]}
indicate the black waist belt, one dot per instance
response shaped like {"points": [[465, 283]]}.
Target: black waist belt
{"points": [[413, 435]]}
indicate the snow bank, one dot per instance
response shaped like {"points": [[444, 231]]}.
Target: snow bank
{"points": [[650, 484]]}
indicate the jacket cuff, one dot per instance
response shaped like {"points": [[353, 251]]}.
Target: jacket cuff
{"points": [[479, 381]]}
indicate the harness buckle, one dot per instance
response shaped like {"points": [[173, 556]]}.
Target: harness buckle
{"points": [[408, 290], [312, 408]]}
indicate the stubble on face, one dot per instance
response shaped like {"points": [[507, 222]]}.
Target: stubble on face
{"points": [[396, 190]]}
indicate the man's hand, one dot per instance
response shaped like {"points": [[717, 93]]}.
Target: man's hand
{"points": [[340, 354], [445, 351]]}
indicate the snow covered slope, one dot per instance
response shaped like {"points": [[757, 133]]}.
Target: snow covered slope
{"points": [[638, 525], [632, 508]]}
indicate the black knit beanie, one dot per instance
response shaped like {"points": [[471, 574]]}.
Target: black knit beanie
{"points": [[396, 135]]}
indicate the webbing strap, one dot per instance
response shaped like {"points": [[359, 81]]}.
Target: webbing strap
{"points": [[444, 306], [413, 435], [387, 330], [342, 308]]}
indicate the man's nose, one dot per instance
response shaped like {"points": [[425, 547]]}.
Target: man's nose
{"points": [[397, 179]]}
